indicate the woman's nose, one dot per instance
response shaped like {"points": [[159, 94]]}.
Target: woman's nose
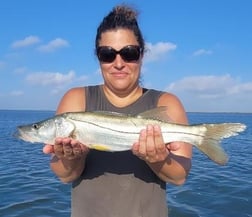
{"points": [[119, 62]]}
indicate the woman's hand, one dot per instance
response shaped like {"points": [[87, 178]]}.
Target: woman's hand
{"points": [[151, 147], [68, 158], [66, 148], [161, 157]]}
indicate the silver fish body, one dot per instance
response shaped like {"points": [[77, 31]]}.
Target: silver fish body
{"points": [[117, 132]]}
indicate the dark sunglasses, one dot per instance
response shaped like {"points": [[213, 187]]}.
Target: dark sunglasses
{"points": [[130, 53]]}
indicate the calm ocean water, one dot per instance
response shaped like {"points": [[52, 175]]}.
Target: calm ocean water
{"points": [[28, 187]]}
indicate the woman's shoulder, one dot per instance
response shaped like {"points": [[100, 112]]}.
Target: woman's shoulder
{"points": [[175, 107], [168, 97], [75, 93], [72, 100]]}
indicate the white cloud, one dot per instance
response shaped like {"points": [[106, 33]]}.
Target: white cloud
{"points": [[213, 93], [211, 86], [156, 51], [50, 78], [28, 41], [53, 45], [201, 52]]}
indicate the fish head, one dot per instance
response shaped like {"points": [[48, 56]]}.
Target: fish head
{"points": [[42, 132], [46, 131]]}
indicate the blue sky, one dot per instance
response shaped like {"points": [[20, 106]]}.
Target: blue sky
{"points": [[199, 50]]}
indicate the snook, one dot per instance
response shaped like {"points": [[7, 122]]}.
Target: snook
{"points": [[108, 131]]}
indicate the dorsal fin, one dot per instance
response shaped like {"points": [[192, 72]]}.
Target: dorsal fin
{"points": [[159, 113]]}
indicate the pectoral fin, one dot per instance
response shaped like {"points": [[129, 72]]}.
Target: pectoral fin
{"points": [[64, 128]]}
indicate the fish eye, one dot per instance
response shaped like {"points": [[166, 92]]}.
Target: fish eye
{"points": [[35, 126]]}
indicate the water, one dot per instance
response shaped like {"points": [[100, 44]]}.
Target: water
{"points": [[212, 190], [29, 188]]}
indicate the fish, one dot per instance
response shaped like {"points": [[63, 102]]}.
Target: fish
{"points": [[111, 131]]}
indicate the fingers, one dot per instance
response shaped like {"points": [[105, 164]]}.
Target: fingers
{"points": [[173, 146], [150, 146], [66, 148], [48, 149]]}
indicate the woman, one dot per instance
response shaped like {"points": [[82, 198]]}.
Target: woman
{"points": [[128, 183]]}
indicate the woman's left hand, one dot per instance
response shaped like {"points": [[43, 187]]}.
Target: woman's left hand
{"points": [[150, 146]]}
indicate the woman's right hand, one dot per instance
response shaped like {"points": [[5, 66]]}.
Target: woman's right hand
{"points": [[66, 148], [68, 160]]}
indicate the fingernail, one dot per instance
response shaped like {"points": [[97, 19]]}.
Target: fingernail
{"points": [[149, 127], [157, 128]]}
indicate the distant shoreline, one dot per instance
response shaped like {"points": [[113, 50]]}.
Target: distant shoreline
{"points": [[200, 112], [32, 110]]}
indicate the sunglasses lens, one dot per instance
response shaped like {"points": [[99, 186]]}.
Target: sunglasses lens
{"points": [[106, 54], [130, 53]]}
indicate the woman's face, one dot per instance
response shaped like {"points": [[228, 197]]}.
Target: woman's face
{"points": [[120, 75]]}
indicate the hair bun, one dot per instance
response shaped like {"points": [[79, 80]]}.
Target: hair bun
{"points": [[126, 11]]}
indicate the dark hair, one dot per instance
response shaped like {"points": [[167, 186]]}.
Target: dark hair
{"points": [[121, 17]]}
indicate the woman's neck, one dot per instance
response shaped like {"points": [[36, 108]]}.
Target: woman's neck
{"points": [[122, 98]]}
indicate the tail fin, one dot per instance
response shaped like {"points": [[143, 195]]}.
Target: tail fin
{"points": [[214, 134]]}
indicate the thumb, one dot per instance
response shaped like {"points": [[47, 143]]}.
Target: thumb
{"points": [[48, 149], [174, 146]]}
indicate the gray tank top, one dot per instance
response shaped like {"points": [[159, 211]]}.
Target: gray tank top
{"points": [[118, 184]]}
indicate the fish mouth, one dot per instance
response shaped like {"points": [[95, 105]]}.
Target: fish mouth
{"points": [[19, 134]]}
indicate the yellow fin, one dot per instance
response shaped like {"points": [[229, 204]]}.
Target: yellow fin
{"points": [[100, 147]]}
